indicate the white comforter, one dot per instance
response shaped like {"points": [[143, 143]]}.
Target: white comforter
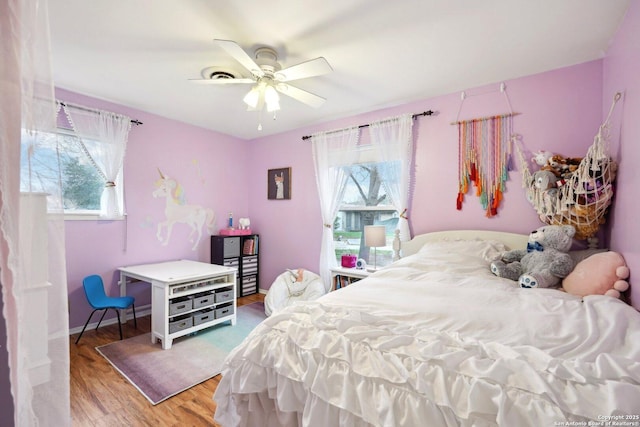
{"points": [[437, 340]]}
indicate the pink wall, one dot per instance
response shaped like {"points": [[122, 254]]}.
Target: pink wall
{"points": [[212, 169], [561, 111], [621, 71]]}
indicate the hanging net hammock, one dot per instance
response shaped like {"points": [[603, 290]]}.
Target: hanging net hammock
{"points": [[582, 198]]}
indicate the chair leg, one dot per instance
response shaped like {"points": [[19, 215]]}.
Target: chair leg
{"points": [[119, 324], [135, 321], [103, 313], [85, 326]]}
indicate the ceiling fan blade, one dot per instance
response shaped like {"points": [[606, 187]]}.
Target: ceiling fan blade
{"points": [[300, 95], [222, 81], [241, 56], [311, 68]]}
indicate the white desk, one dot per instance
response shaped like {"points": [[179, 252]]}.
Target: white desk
{"points": [[186, 296]]}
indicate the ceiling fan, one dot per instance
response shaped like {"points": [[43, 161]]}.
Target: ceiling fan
{"points": [[268, 77]]}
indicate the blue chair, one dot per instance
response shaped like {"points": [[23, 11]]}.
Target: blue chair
{"points": [[94, 291]]}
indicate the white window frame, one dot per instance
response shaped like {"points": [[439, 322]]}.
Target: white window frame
{"points": [[366, 157], [93, 215], [86, 214]]}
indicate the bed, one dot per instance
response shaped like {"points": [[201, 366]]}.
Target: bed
{"points": [[435, 339]]}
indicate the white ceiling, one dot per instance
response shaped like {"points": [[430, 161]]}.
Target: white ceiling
{"points": [[141, 53]]}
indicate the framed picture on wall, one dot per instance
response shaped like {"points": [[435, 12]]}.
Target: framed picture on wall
{"points": [[279, 184]]}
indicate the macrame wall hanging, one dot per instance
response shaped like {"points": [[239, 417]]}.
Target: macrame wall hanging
{"points": [[484, 156], [582, 195]]}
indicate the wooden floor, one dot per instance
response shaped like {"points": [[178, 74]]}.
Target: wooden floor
{"points": [[100, 396]]}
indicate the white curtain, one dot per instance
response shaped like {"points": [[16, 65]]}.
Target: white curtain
{"points": [[393, 144], [103, 136], [333, 155], [32, 250]]}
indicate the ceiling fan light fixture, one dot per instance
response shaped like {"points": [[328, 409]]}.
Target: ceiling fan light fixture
{"points": [[252, 97], [273, 106], [268, 79], [271, 98]]}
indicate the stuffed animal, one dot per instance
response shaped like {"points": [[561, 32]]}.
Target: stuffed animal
{"points": [[603, 273], [543, 183], [541, 157], [544, 180], [564, 166], [551, 169], [545, 261]]}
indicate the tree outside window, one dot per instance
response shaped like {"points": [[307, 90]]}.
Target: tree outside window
{"points": [[364, 203], [82, 185]]}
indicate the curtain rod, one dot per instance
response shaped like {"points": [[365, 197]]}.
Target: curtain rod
{"points": [[481, 119], [415, 116], [79, 107]]}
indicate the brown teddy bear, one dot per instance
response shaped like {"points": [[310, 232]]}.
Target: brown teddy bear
{"points": [[603, 273], [563, 166]]}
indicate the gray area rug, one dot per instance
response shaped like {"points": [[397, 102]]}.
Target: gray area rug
{"points": [[159, 374]]}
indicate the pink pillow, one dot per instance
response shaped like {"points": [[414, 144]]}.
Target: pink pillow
{"points": [[603, 273]]}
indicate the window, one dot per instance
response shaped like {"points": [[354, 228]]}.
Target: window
{"points": [[82, 185], [365, 202]]}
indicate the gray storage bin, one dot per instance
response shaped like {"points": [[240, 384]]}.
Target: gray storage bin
{"points": [[249, 265], [223, 296], [250, 260], [231, 247], [180, 305], [179, 323], [232, 262], [203, 300], [203, 316], [249, 285], [224, 311]]}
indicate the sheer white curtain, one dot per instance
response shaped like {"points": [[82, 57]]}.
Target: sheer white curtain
{"points": [[333, 154], [32, 250], [103, 136], [392, 140]]}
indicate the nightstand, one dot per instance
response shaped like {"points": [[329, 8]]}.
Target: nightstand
{"points": [[341, 276]]}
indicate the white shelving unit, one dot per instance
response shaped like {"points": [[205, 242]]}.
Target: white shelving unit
{"points": [[241, 251], [186, 296], [342, 276]]}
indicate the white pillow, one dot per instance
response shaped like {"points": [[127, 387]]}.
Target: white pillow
{"points": [[489, 250]]}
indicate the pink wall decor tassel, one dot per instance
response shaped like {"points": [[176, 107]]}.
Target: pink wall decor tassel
{"points": [[484, 152]]}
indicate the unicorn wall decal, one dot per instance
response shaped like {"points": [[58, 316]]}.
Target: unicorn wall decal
{"points": [[176, 211]]}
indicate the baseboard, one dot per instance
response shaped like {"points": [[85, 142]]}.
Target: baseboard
{"points": [[145, 310], [263, 291]]}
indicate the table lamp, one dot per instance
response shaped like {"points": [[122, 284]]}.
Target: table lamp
{"points": [[375, 237]]}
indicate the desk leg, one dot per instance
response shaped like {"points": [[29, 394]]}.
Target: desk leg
{"points": [[123, 293]]}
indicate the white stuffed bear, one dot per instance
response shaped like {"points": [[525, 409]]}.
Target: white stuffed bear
{"points": [[541, 157], [545, 261]]}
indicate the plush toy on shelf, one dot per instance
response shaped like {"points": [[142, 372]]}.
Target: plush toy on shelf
{"points": [[545, 261], [546, 180], [541, 157], [603, 273], [564, 166]]}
